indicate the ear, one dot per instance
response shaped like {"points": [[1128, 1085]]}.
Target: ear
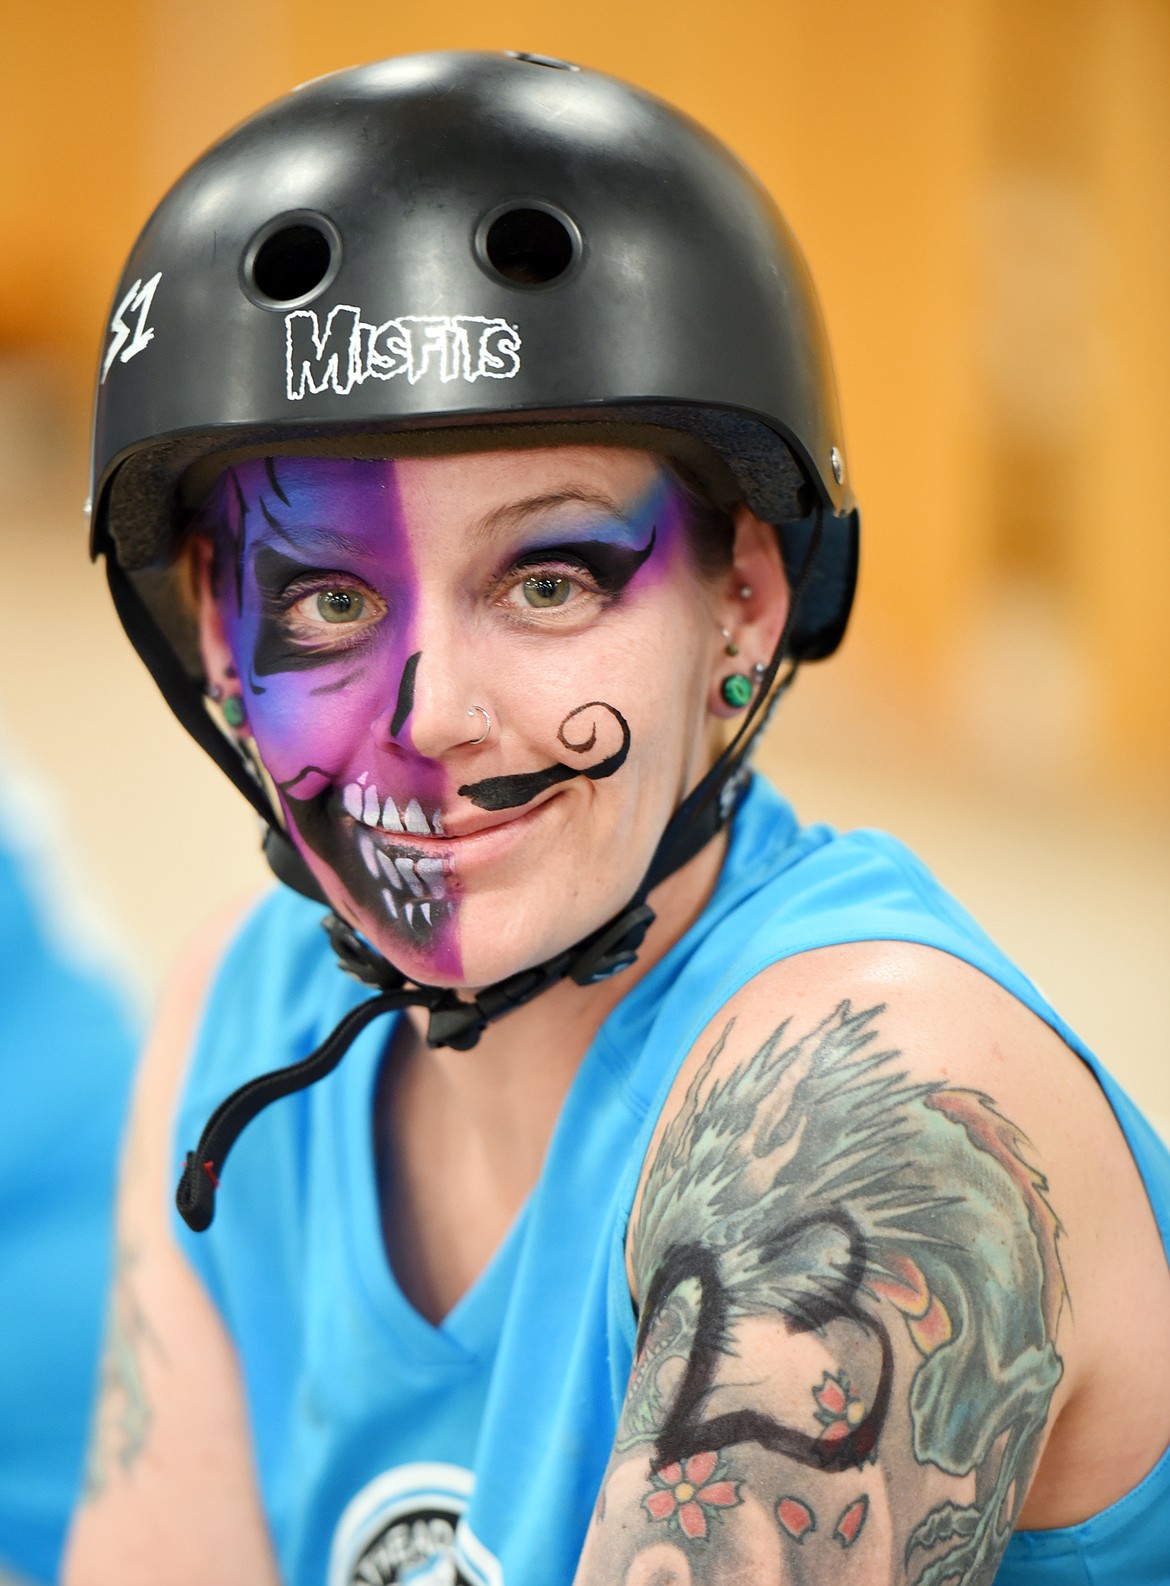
{"points": [[751, 604], [219, 664]]}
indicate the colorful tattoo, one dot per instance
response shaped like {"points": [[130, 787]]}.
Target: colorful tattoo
{"points": [[812, 1213], [690, 1493], [124, 1412], [796, 1518], [850, 1522]]}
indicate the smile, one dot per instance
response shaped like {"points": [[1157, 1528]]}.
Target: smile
{"points": [[412, 885], [363, 803]]}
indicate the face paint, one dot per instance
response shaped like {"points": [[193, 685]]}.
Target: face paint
{"points": [[313, 647], [510, 792], [368, 605], [405, 694]]}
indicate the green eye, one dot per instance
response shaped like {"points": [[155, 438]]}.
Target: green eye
{"points": [[547, 589], [340, 605]]}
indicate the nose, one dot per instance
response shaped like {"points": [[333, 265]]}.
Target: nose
{"points": [[431, 710]]}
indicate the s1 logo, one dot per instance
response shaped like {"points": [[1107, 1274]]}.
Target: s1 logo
{"points": [[123, 341]]}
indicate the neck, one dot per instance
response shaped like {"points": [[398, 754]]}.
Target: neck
{"points": [[550, 1035], [461, 1136]]}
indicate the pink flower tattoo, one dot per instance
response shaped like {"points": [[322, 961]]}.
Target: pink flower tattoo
{"points": [[839, 1409], [685, 1492]]}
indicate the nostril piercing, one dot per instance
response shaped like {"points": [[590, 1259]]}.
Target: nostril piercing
{"points": [[487, 723]]}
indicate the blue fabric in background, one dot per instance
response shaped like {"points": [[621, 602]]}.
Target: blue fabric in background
{"points": [[66, 1059]]}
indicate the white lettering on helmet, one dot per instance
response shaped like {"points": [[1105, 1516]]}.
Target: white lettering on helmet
{"points": [[124, 343], [350, 350]]}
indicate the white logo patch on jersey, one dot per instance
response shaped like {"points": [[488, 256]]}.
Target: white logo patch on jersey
{"points": [[407, 1526]]}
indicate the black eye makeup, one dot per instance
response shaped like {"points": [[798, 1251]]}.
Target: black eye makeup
{"points": [[309, 616], [609, 566]]}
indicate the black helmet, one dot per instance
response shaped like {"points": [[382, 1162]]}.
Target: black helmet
{"points": [[454, 241]]}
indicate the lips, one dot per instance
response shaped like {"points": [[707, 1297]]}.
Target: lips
{"points": [[365, 805], [412, 888], [400, 856]]}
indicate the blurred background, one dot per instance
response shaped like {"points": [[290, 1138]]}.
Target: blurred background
{"points": [[981, 189]]}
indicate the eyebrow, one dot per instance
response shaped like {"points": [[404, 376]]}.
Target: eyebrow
{"points": [[318, 534], [515, 513]]}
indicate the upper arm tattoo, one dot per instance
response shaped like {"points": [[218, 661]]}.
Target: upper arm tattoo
{"points": [[851, 1290], [124, 1412]]}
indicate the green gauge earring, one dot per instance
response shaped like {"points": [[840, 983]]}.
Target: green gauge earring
{"points": [[233, 710], [736, 690]]}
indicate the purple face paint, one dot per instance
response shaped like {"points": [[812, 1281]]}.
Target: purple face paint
{"points": [[317, 590], [317, 584]]}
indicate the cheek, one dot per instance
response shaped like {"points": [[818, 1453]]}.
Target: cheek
{"points": [[308, 716], [294, 728]]}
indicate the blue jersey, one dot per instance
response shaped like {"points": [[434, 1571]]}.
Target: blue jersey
{"points": [[389, 1449], [66, 1057]]}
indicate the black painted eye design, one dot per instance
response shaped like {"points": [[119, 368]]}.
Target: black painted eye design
{"points": [[543, 590]]}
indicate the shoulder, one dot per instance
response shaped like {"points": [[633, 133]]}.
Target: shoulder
{"points": [[879, 1133], [256, 982], [906, 1035], [169, 1473], [167, 1059]]}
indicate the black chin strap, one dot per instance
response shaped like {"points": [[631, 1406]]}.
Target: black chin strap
{"points": [[459, 1022]]}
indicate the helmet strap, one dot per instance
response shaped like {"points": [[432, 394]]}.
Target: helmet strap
{"points": [[453, 1020]]}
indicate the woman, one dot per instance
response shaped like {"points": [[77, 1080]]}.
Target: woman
{"points": [[467, 465]]}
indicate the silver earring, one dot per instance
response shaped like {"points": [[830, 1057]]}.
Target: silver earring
{"points": [[745, 591], [487, 723], [759, 671]]}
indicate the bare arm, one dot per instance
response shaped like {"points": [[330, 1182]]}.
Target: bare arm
{"points": [[854, 1330], [169, 1489]]}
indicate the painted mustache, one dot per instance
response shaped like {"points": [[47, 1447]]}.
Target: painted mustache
{"points": [[509, 792]]}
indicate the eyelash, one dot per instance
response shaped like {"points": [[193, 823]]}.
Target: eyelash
{"points": [[568, 567], [305, 588]]}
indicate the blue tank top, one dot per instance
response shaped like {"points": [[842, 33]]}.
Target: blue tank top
{"points": [[66, 1061], [472, 1452]]}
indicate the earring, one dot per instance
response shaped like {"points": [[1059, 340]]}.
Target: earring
{"points": [[487, 723], [214, 692], [759, 671], [729, 645], [233, 711], [745, 591], [736, 690]]}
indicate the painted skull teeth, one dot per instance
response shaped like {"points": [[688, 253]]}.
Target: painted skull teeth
{"points": [[417, 917], [412, 887], [420, 878], [364, 805], [369, 854]]}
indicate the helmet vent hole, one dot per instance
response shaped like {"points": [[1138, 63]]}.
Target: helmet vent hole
{"points": [[291, 263], [552, 61], [530, 246]]}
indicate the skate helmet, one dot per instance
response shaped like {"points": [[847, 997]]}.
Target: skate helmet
{"points": [[447, 244]]}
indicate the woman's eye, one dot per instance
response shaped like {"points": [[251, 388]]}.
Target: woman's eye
{"points": [[347, 611], [340, 605], [547, 589]]}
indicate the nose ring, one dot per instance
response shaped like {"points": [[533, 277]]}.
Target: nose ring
{"points": [[487, 723]]}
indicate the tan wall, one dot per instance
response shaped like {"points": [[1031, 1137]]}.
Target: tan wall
{"points": [[980, 186]]}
